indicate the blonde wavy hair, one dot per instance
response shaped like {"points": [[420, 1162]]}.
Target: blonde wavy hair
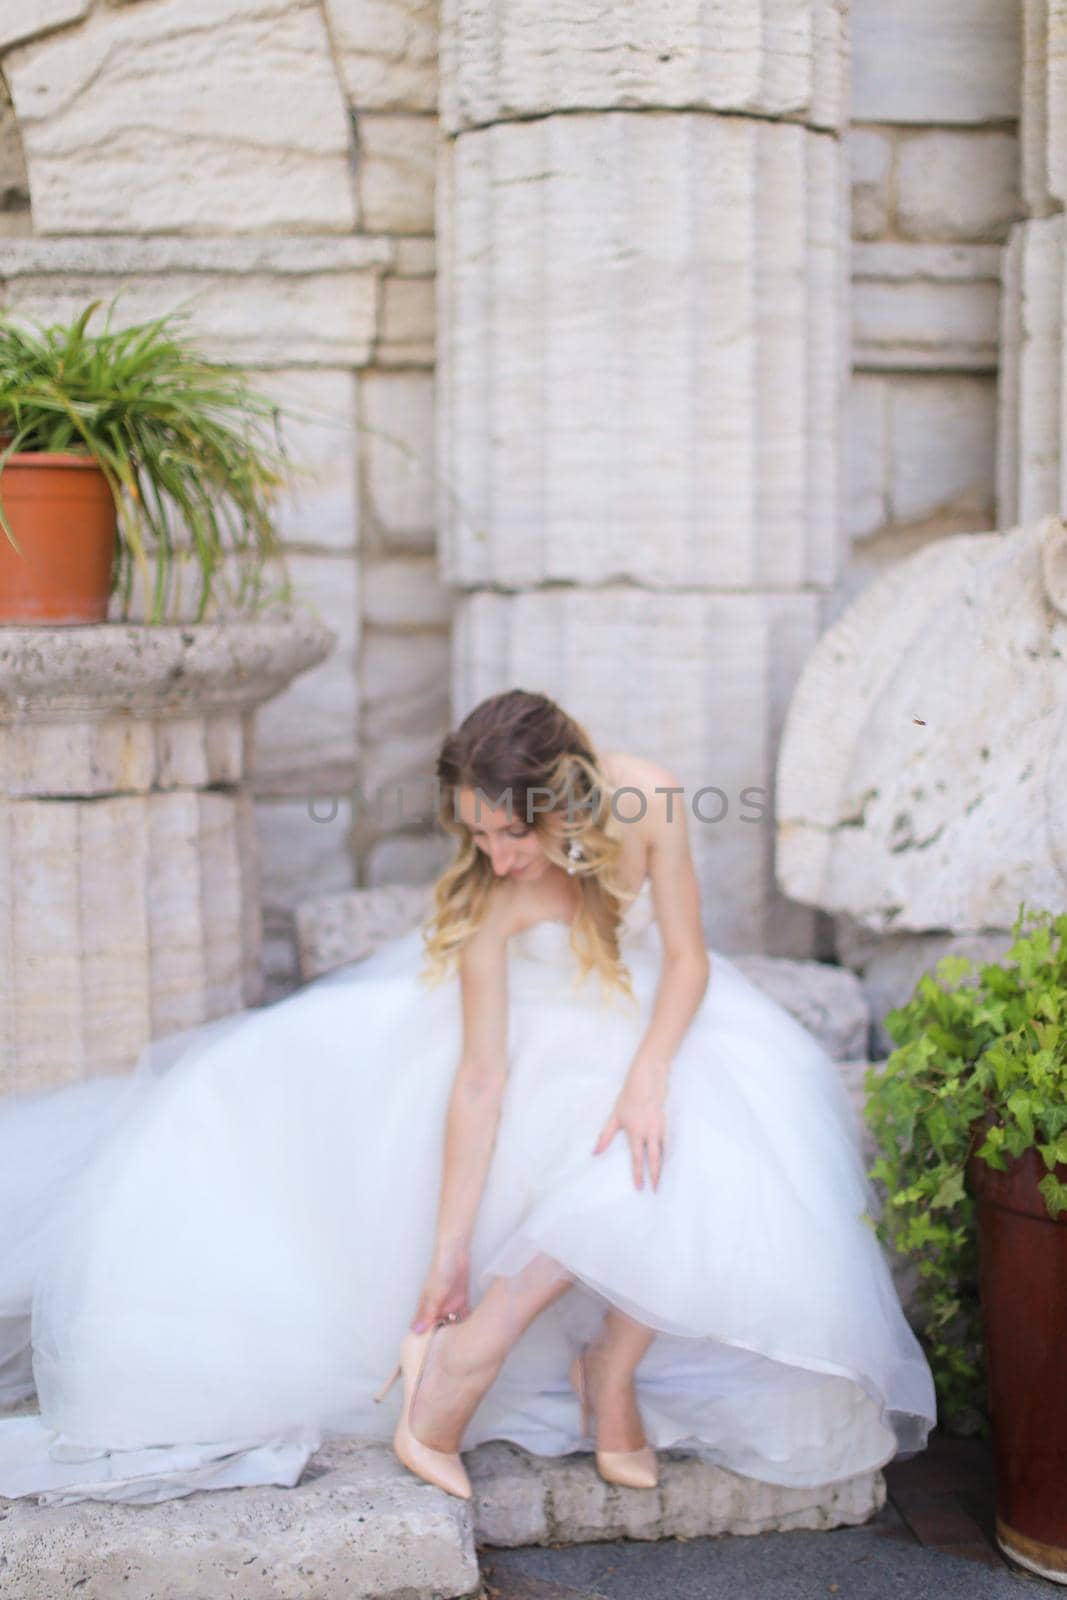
{"points": [[525, 744]]}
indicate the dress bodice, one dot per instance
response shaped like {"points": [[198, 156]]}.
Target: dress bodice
{"points": [[550, 940]]}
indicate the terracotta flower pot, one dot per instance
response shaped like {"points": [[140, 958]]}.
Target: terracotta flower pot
{"points": [[1023, 1293], [62, 513]]}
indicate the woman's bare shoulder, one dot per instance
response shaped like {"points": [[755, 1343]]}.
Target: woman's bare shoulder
{"points": [[623, 768], [503, 917]]}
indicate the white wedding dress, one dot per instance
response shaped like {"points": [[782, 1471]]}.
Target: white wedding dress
{"points": [[214, 1260]]}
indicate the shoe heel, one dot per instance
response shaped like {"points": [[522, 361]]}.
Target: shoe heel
{"points": [[442, 1468], [633, 1469], [576, 1375], [388, 1384]]}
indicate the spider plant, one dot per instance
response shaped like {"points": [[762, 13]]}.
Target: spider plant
{"points": [[192, 453]]}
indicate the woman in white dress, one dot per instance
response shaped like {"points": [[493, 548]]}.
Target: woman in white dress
{"points": [[542, 1144]]}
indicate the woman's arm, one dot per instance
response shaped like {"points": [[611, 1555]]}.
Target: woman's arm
{"points": [[639, 1109], [478, 1088], [686, 965]]}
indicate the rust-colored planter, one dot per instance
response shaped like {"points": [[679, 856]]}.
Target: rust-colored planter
{"points": [[1023, 1291], [62, 513]]}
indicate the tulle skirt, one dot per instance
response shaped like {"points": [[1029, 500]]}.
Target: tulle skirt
{"points": [[207, 1267]]}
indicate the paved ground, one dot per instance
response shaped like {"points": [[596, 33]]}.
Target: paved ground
{"points": [[932, 1541]]}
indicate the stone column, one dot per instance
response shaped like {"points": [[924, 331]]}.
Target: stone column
{"points": [[1032, 422], [129, 895], [641, 354]]}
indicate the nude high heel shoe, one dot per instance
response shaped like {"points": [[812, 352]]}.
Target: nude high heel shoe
{"points": [[439, 1467], [634, 1469]]}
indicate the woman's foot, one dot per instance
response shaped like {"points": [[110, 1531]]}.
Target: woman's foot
{"points": [[455, 1375], [612, 1400]]}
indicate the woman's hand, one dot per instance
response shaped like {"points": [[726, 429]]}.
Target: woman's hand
{"points": [[446, 1288], [638, 1112]]}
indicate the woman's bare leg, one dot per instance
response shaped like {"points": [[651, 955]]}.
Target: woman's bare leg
{"points": [[611, 1361], [464, 1357]]}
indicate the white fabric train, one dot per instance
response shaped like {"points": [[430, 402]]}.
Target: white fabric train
{"points": [[218, 1256]]}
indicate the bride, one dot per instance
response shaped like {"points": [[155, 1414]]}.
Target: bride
{"points": [[586, 1181]]}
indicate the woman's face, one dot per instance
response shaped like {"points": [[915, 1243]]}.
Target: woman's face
{"points": [[512, 846]]}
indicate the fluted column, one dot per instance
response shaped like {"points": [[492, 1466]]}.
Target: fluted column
{"points": [[640, 363], [1032, 423]]}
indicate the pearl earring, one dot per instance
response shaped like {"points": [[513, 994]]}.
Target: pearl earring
{"points": [[574, 851]]}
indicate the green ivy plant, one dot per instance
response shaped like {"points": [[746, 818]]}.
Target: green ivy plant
{"points": [[980, 1067], [192, 453]]}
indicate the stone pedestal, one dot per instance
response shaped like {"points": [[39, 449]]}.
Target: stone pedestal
{"points": [[641, 355], [129, 902]]}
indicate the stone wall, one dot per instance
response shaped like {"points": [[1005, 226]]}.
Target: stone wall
{"points": [[273, 164], [270, 164], [935, 171]]}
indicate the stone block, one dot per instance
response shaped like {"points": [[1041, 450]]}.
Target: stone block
{"points": [[941, 61], [169, 256], [889, 968], [397, 159], [1043, 107], [306, 737], [303, 851], [356, 1525], [387, 50], [642, 363], [407, 858], [397, 446], [401, 668], [927, 306], [866, 430], [19, 22], [215, 115], [694, 1499], [413, 256], [829, 1001], [408, 323], [525, 58], [261, 302], [870, 160], [395, 775], [511, 1494], [404, 715], [943, 447], [405, 592], [320, 507], [255, 319], [281, 973], [333, 930], [957, 185]]}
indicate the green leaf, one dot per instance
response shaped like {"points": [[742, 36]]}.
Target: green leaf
{"points": [[1055, 1194], [949, 1192], [193, 453]]}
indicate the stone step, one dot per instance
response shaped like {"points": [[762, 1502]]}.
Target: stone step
{"points": [[358, 1525]]}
